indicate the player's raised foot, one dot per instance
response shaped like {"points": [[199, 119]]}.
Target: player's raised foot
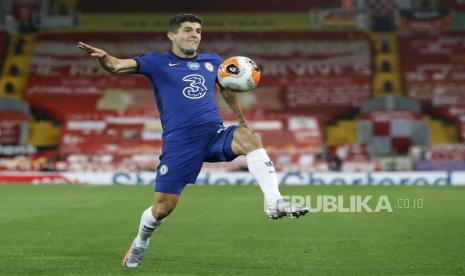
{"points": [[285, 208], [133, 257]]}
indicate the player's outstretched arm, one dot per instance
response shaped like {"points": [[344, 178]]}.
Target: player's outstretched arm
{"points": [[108, 62], [232, 100]]}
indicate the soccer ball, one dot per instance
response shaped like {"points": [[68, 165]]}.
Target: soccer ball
{"points": [[239, 74]]}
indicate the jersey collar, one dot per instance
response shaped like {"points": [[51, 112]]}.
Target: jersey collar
{"points": [[171, 53]]}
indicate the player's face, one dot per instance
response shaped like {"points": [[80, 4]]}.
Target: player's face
{"points": [[186, 40]]}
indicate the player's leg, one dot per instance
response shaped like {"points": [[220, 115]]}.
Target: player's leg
{"points": [[151, 219], [261, 167], [164, 204], [153, 216], [180, 164]]}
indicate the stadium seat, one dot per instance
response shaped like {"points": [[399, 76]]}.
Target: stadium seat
{"points": [[344, 132], [43, 134]]}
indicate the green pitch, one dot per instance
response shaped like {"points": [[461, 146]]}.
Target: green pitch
{"points": [[84, 230]]}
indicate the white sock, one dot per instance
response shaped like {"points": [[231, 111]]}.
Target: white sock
{"points": [[148, 225], [261, 167]]}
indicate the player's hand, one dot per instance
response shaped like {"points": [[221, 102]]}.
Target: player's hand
{"points": [[94, 52]]}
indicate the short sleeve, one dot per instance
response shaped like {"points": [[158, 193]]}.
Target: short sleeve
{"points": [[146, 63]]}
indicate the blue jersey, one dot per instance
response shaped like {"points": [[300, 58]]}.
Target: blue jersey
{"points": [[184, 89]]}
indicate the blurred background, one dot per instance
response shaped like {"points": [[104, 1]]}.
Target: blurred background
{"points": [[347, 85]]}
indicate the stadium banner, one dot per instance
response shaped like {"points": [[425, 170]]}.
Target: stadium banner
{"points": [[12, 125], [341, 18], [406, 178], [433, 66], [446, 152], [10, 132], [438, 165], [434, 19], [13, 150], [458, 177], [218, 22]]}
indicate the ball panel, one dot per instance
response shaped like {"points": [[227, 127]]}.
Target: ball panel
{"points": [[255, 76], [223, 71], [239, 74]]}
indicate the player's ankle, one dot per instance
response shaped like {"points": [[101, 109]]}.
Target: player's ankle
{"points": [[271, 201], [141, 243]]}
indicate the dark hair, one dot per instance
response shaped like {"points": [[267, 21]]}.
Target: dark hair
{"points": [[178, 19]]}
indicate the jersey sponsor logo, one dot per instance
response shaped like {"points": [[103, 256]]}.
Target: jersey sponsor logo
{"points": [[209, 66], [193, 65], [172, 64], [196, 88], [163, 169]]}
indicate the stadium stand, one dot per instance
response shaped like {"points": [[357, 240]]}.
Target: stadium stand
{"points": [[64, 84], [328, 89]]}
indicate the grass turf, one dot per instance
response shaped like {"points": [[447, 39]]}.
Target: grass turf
{"points": [[85, 230]]}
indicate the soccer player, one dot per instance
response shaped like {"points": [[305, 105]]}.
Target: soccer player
{"points": [[184, 82]]}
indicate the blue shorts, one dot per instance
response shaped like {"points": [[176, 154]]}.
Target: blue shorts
{"points": [[182, 158]]}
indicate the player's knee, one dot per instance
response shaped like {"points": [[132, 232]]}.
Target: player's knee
{"points": [[162, 210], [248, 140], [253, 143], [163, 207]]}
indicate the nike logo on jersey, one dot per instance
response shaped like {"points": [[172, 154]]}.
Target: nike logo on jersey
{"points": [[172, 64]]}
